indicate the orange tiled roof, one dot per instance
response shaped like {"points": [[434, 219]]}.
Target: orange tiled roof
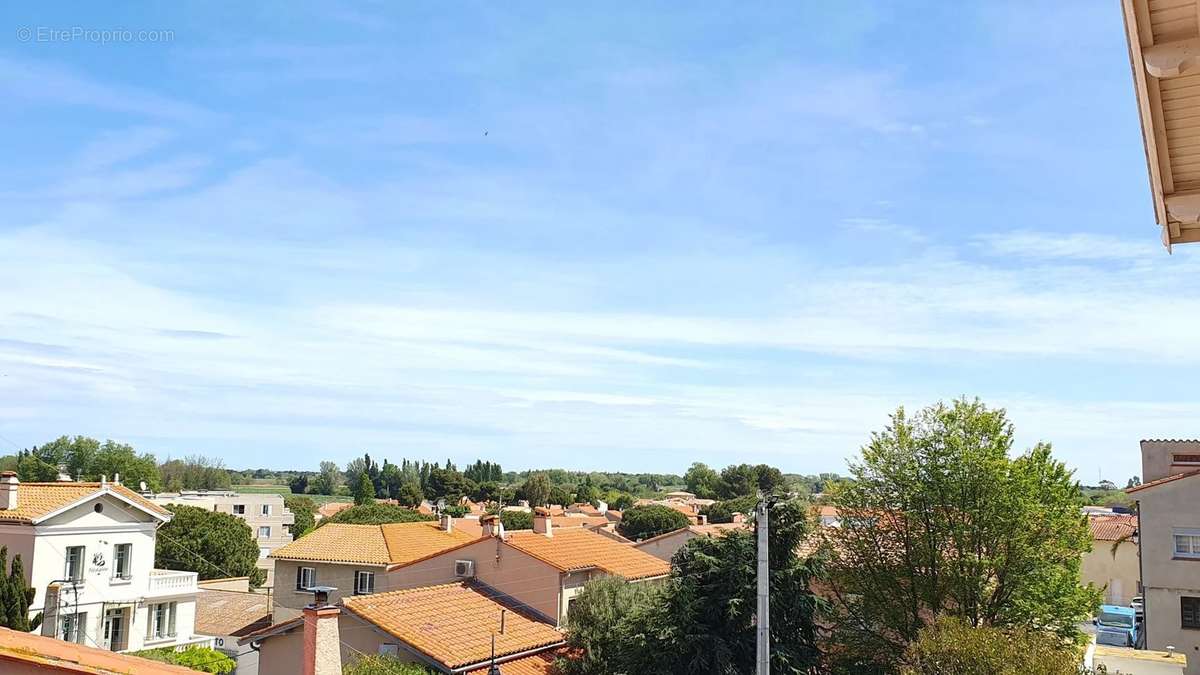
{"points": [[1114, 527], [388, 544], [67, 657], [579, 548], [577, 521], [452, 623], [37, 500], [333, 508], [1160, 481], [538, 664]]}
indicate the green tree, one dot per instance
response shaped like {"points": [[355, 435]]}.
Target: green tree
{"points": [[390, 480], [516, 520], [702, 481], [586, 493], [203, 659], [939, 520], [642, 522], [375, 514], [701, 620], [298, 484], [16, 595], [952, 646], [536, 489], [364, 491], [211, 543], [599, 624], [194, 473], [32, 469], [446, 484], [410, 494], [621, 501], [304, 509], [379, 664], [328, 480], [559, 495], [723, 512]]}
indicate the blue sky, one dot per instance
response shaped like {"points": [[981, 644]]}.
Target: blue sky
{"points": [[588, 236]]}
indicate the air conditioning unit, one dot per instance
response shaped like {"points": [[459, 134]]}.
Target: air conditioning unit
{"points": [[464, 568]]}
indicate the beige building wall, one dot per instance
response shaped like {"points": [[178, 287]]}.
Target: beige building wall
{"points": [[287, 602], [1165, 510], [665, 546], [1118, 575], [515, 573]]}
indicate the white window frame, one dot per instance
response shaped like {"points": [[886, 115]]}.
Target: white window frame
{"points": [[361, 588], [160, 621], [127, 559], [77, 574], [1190, 538], [263, 552], [239, 509], [266, 510], [264, 528], [306, 578]]}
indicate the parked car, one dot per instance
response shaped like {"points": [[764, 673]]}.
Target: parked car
{"points": [[1138, 603], [1117, 626]]}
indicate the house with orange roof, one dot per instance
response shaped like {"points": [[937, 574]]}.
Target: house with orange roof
{"points": [[665, 545], [28, 654], [357, 560], [88, 552], [1113, 562], [542, 569], [456, 627]]}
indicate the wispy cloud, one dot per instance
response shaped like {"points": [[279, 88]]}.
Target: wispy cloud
{"points": [[1067, 246]]}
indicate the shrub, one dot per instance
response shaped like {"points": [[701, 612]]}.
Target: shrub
{"points": [[643, 522]]}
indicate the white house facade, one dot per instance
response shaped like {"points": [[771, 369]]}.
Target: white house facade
{"points": [[88, 551]]}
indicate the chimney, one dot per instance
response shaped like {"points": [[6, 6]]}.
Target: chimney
{"points": [[490, 525], [8, 490], [447, 523], [103, 479], [602, 506], [116, 479], [322, 641], [541, 522]]}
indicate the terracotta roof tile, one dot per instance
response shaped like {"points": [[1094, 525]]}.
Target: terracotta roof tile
{"points": [[1114, 527], [333, 508], [538, 664], [579, 548], [36, 500], [1160, 481], [67, 657], [388, 544], [452, 623], [231, 612]]}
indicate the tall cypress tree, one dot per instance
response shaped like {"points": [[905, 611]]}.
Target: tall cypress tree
{"points": [[4, 592]]}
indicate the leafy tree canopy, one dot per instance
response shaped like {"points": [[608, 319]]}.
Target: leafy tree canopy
{"points": [[939, 520], [643, 522], [304, 509], [516, 520], [954, 647], [203, 659], [213, 544], [536, 489], [375, 514]]}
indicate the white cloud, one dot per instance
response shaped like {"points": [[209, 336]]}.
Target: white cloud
{"points": [[1068, 246]]}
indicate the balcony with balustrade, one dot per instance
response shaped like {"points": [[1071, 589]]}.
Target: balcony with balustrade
{"points": [[171, 582]]}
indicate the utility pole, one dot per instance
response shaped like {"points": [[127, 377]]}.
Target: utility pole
{"points": [[763, 618]]}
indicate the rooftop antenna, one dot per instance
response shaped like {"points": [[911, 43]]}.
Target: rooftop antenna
{"points": [[495, 669]]}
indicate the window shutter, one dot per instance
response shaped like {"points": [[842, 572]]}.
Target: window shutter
{"points": [[171, 621], [150, 612]]}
